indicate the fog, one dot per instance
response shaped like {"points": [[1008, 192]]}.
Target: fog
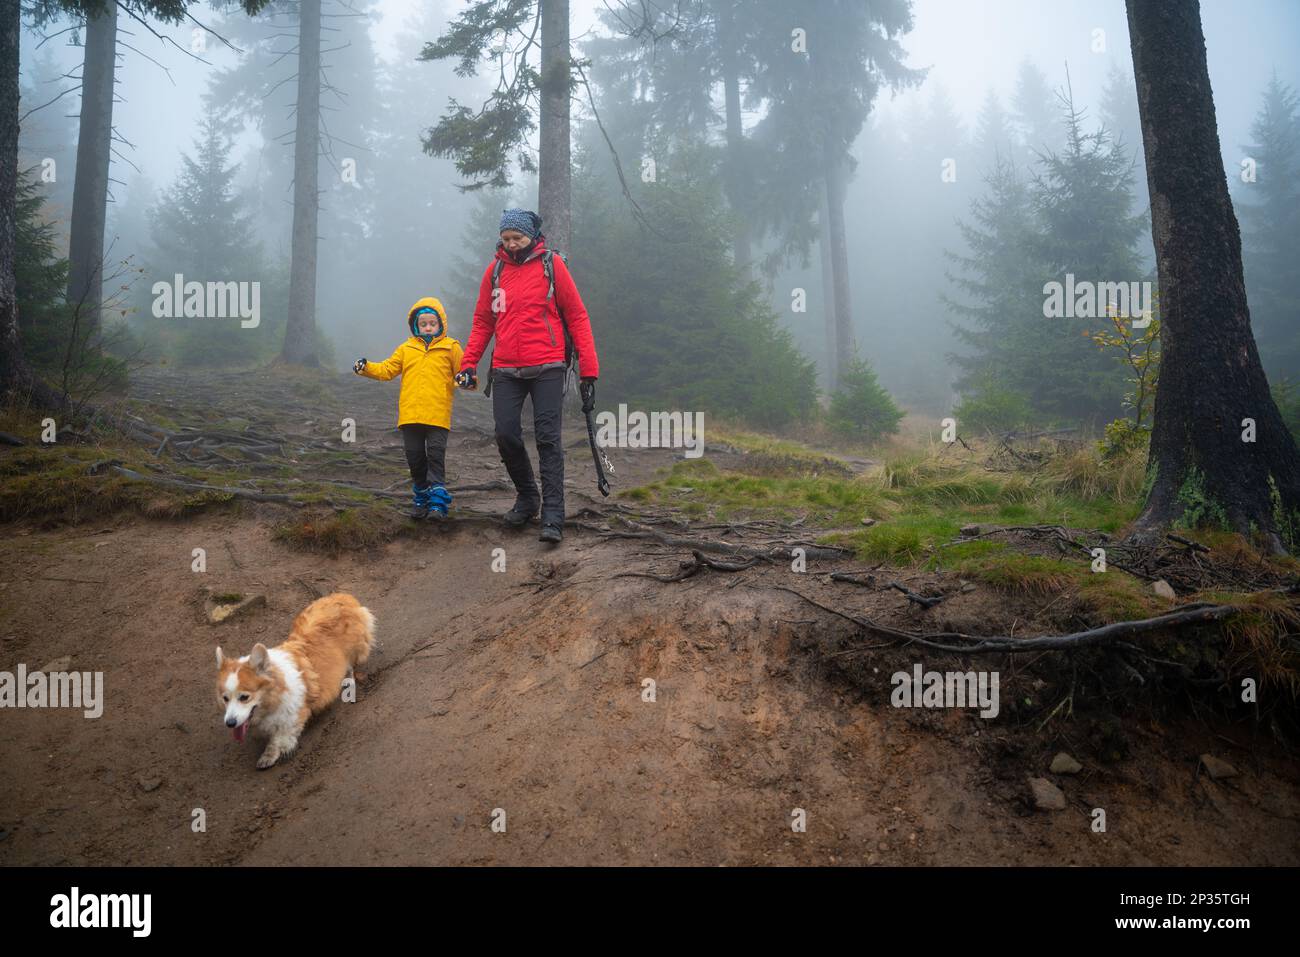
{"points": [[401, 229]]}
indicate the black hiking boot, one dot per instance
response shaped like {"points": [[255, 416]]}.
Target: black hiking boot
{"points": [[521, 514], [550, 533], [419, 502]]}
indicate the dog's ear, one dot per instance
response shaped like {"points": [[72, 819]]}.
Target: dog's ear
{"points": [[257, 658], [220, 656]]}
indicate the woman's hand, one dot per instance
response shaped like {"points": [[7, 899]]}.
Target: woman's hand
{"points": [[587, 389], [359, 366]]}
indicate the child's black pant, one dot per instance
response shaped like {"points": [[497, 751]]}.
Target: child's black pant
{"points": [[426, 453]]}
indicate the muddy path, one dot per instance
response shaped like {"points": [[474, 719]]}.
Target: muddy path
{"points": [[523, 695]]}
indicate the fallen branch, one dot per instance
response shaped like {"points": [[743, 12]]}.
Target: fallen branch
{"points": [[201, 487], [868, 582], [1194, 546], [914, 597], [698, 562]]}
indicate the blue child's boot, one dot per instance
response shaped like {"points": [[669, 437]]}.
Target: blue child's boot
{"points": [[420, 501], [439, 499]]}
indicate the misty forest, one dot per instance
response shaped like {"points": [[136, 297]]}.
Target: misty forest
{"points": [[932, 334]]}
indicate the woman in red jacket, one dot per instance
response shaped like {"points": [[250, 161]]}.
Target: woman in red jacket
{"points": [[529, 360]]}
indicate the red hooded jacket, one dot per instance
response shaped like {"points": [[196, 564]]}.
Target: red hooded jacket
{"points": [[527, 329]]}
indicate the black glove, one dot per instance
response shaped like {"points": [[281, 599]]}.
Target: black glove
{"points": [[358, 366], [466, 380], [587, 389]]}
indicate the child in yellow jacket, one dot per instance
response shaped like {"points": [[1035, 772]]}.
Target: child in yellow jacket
{"points": [[427, 363]]}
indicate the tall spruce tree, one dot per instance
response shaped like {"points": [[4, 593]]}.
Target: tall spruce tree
{"points": [[995, 136], [529, 39], [1220, 449], [1072, 216], [825, 62], [1083, 199], [16, 374], [1034, 111], [998, 304], [202, 229]]}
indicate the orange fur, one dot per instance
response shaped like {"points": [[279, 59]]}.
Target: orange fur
{"points": [[328, 638]]}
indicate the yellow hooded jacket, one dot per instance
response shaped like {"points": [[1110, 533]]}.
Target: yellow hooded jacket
{"points": [[427, 372]]}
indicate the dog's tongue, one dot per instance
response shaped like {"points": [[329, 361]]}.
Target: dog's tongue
{"points": [[240, 732]]}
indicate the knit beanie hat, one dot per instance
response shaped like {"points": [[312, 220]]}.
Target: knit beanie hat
{"points": [[523, 220]]}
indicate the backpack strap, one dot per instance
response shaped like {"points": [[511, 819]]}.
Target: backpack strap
{"points": [[548, 267], [570, 349]]}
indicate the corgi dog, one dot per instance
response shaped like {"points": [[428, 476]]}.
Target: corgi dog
{"points": [[275, 690]]}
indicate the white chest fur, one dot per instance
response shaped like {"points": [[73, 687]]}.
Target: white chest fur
{"points": [[285, 717]]}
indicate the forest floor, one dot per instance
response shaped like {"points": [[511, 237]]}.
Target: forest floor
{"points": [[523, 691]]}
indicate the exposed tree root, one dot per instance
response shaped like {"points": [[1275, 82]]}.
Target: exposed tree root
{"points": [[779, 550], [1006, 644]]}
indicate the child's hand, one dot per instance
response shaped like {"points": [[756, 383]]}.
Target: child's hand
{"points": [[466, 380], [358, 366]]}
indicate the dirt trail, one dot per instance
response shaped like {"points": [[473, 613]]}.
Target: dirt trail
{"points": [[523, 690]]}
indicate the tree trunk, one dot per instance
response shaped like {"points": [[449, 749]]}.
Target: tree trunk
{"points": [[555, 172], [1211, 379], [836, 182], [90, 187], [17, 380], [733, 174], [828, 295], [300, 330]]}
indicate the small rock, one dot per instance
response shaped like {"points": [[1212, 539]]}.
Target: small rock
{"points": [[1163, 589], [968, 531], [58, 664], [1047, 796], [1064, 764], [1217, 768], [219, 611], [149, 784], [868, 522], [968, 587]]}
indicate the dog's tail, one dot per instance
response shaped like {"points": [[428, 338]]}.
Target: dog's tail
{"points": [[368, 638]]}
